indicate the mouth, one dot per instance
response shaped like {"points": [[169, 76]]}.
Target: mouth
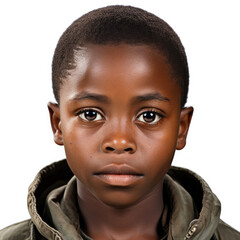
{"points": [[118, 175]]}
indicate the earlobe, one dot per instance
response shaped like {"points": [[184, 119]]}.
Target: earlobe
{"points": [[185, 120], [54, 113]]}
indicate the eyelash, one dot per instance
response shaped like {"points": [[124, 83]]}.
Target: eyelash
{"points": [[157, 117]]}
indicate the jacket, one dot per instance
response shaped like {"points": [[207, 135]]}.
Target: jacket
{"points": [[191, 209]]}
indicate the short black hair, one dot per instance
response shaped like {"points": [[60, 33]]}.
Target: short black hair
{"points": [[114, 25]]}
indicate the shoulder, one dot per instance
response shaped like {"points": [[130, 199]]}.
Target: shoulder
{"points": [[225, 232], [17, 231]]}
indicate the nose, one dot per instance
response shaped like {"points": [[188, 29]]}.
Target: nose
{"points": [[119, 144]]}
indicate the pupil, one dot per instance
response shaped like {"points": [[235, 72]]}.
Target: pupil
{"points": [[90, 115], [149, 116]]}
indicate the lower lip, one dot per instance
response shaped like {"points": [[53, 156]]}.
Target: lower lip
{"points": [[119, 179]]}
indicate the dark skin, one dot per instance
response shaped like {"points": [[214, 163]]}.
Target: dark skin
{"points": [[120, 121]]}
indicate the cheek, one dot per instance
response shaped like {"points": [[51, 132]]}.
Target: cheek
{"points": [[163, 140], [77, 141], [79, 148], [160, 147]]}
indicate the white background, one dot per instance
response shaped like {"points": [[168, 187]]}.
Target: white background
{"points": [[29, 30]]}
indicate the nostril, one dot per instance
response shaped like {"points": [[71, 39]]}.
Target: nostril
{"points": [[118, 147], [110, 149], [128, 150]]}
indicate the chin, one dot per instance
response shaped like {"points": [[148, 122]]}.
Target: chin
{"points": [[119, 205], [119, 200]]}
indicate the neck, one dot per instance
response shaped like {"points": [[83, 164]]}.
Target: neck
{"points": [[139, 221]]}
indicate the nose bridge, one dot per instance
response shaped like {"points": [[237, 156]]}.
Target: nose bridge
{"points": [[122, 125], [119, 137]]}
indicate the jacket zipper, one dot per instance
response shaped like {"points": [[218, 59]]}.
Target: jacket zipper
{"points": [[191, 231]]}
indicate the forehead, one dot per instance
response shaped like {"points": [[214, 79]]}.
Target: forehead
{"points": [[113, 69]]}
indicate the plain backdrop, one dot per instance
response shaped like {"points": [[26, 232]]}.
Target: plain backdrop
{"points": [[29, 31]]}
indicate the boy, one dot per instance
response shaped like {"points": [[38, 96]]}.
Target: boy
{"points": [[120, 79]]}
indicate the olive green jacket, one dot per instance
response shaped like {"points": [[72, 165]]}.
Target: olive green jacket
{"points": [[191, 209]]}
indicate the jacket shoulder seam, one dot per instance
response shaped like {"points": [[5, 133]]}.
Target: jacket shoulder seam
{"points": [[18, 223]]}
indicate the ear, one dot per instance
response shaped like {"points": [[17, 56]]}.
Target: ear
{"points": [[54, 113], [185, 120]]}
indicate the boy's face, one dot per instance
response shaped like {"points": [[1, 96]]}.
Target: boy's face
{"points": [[120, 121]]}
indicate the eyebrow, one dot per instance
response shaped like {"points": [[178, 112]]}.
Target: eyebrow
{"points": [[92, 96], [151, 96], [102, 98]]}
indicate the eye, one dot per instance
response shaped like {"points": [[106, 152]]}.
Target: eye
{"points": [[150, 117], [90, 115]]}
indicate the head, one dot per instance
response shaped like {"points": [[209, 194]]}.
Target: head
{"points": [[115, 25], [120, 78]]}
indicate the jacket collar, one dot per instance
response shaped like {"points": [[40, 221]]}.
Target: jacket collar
{"points": [[207, 205], [192, 210]]}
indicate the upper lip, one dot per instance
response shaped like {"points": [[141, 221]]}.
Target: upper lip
{"points": [[118, 169]]}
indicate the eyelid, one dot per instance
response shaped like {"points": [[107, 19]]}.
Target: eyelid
{"points": [[150, 109]]}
